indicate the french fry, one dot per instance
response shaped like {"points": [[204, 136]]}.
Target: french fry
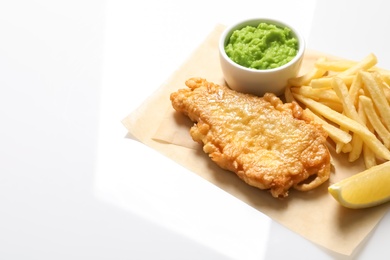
{"points": [[385, 76], [368, 154], [335, 133], [386, 90], [343, 147], [334, 65], [375, 121], [347, 148], [355, 88], [383, 85], [306, 78], [377, 94], [383, 72], [350, 111], [367, 136], [368, 157], [316, 94], [336, 106], [365, 64], [326, 82], [351, 100], [357, 142], [288, 95], [342, 92]]}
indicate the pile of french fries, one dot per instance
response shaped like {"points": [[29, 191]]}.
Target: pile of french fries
{"points": [[351, 101]]}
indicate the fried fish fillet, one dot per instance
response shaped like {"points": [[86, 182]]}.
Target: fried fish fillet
{"points": [[268, 144]]}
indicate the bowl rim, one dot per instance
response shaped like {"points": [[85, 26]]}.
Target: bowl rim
{"points": [[242, 23]]}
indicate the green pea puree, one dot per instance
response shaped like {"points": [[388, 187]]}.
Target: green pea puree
{"points": [[266, 46]]}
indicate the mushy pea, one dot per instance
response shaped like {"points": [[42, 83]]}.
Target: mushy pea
{"points": [[266, 46]]}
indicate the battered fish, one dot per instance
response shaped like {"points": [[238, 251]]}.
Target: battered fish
{"points": [[268, 144]]}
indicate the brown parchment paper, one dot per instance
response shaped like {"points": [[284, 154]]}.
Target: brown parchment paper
{"points": [[315, 215]]}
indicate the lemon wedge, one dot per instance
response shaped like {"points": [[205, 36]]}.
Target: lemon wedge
{"points": [[365, 189]]}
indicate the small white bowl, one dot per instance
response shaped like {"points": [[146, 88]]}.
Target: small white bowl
{"points": [[257, 81]]}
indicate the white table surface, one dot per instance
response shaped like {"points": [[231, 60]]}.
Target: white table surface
{"points": [[73, 186]]}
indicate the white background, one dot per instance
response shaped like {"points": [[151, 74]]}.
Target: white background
{"points": [[73, 186]]}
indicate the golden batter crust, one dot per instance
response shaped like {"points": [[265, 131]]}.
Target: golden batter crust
{"points": [[268, 144]]}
